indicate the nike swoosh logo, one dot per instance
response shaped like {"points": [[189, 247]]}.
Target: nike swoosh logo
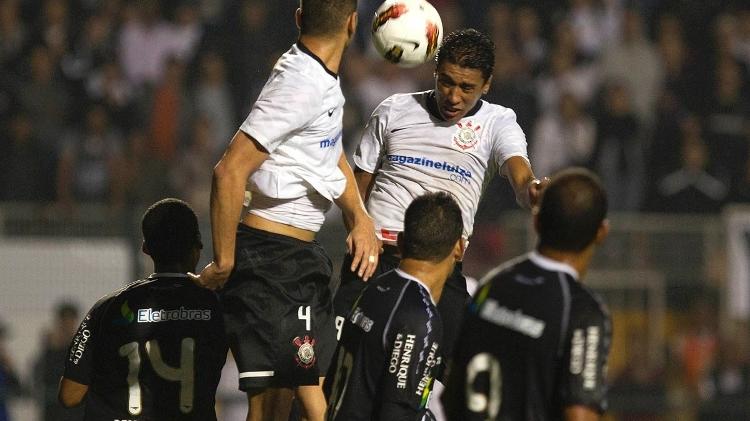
{"points": [[398, 129], [330, 112]]}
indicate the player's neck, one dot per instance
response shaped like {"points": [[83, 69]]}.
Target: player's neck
{"points": [[433, 275], [579, 260], [172, 268], [328, 50]]}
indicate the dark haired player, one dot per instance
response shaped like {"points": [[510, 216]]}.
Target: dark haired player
{"points": [[153, 350], [447, 139], [288, 152], [535, 341], [391, 344]]}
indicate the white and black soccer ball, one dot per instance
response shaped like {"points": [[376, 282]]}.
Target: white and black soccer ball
{"points": [[407, 32]]}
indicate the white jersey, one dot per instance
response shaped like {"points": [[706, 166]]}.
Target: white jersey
{"points": [[298, 119], [412, 152]]}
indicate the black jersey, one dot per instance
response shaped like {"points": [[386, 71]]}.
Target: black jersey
{"points": [[534, 341], [385, 362], [151, 351]]}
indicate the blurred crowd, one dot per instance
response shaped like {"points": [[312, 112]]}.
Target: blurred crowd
{"points": [[123, 102]]}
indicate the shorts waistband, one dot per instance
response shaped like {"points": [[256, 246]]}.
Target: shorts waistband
{"points": [[276, 236]]}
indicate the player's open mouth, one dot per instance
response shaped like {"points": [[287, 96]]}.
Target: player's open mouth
{"points": [[450, 113]]}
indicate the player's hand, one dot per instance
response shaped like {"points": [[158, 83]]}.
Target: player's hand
{"points": [[536, 186], [364, 247], [211, 277]]}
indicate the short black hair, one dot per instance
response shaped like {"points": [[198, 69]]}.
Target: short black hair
{"points": [[170, 231], [432, 225], [468, 48], [325, 17], [572, 209]]}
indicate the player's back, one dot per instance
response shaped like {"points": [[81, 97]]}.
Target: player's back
{"points": [[389, 349], [155, 352], [515, 359]]}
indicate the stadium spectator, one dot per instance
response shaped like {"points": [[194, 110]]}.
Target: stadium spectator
{"points": [[391, 343], [27, 166], [635, 51], [155, 348], [213, 101], [9, 382], [563, 137], [45, 98], [535, 341], [48, 365], [695, 186], [90, 163], [619, 151]]}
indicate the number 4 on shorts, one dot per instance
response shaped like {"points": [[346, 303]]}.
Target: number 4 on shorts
{"points": [[303, 313]]}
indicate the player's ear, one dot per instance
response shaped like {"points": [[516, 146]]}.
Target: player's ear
{"points": [[602, 232], [144, 249], [298, 18], [459, 249], [486, 86], [351, 24]]}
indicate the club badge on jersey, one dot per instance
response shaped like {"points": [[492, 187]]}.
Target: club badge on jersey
{"points": [[305, 351], [467, 135]]}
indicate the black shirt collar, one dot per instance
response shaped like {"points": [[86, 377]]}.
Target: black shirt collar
{"points": [[307, 51], [432, 107]]}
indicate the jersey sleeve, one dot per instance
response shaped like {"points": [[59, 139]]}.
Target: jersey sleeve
{"points": [[413, 355], [508, 140], [372, 144], [586, 351], [285, 105], [79, 360]]}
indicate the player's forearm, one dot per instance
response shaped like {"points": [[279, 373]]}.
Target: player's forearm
{"points": [[350, 202], [227, 194], [520, 176]]}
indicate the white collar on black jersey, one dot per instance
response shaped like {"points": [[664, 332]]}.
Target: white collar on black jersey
{"points": [[405, 275], [167, 275], [550, 264]]}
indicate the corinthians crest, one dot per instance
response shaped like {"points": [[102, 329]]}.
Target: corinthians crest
{"points": [[305, 351], [466, 136]]}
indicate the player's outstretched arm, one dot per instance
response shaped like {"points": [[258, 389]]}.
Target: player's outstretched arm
{"points": [[526, 187], [361, 243], [243, 156], [71, 393]]}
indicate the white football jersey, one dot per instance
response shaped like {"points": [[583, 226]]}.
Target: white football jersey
{"points": [[412, 152], [298, 119]]}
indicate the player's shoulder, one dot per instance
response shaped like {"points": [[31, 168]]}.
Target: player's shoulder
{"points": [[587, 302], [497, 112], [504, 269], [300, 70], [401, 102]]}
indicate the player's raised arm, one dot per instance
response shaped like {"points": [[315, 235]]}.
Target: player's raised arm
{"points": [[525, 185], [243, 156], [361, 243]]}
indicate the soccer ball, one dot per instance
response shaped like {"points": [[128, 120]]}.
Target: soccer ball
{"points": [[407, 32]]}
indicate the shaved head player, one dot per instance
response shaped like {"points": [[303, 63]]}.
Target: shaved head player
{"points": [[535, 341]]}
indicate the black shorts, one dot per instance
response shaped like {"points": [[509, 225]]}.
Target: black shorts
{"points": [[278, 311], [451, 306]]}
